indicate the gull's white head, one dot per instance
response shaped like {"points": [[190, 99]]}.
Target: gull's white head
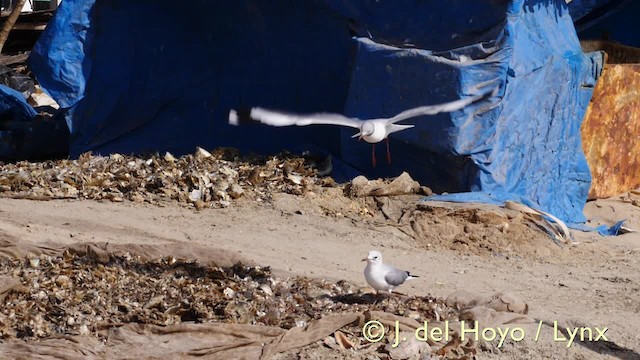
{"points": [[367, 129], [374, 257]]}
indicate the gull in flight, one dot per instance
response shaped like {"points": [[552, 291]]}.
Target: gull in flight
{"points": [[383, 277], [372, 131]]}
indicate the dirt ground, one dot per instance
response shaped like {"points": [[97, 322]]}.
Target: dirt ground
{"points": [[594, 282]]}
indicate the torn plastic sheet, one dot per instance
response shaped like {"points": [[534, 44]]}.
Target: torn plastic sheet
{"points": [[500, 199], [136, 94]]}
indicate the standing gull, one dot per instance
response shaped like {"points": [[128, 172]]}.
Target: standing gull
{"points": [[383, 277], [372, 131]]}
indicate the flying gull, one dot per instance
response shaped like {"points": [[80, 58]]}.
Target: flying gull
{"points": [[383, 277], [372, 131]]}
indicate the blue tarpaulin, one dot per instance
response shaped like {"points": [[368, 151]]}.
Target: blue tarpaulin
{"points": [[15, 116], [24, 134], [613, 20], [136, 77]]}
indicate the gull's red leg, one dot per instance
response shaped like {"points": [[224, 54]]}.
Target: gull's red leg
{"points": [[373, 154], [388, 152]]}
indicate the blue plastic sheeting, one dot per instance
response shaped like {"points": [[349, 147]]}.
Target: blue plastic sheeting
{"points": [[587, 11], [144, 77], [139, 77], [24, 135], [614, 20], [527, 145], [15, 115], [14, 107]]}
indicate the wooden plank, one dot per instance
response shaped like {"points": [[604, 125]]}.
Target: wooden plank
{"points": [[6, 60]]}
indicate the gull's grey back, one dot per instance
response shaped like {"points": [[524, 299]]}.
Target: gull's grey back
{"points": [[395, 276]]}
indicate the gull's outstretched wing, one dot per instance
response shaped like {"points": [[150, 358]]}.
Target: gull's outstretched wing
{"points": [[278, 118], [446, 107]]}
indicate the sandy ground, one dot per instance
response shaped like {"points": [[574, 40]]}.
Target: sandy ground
{"points": [[594, 283]]}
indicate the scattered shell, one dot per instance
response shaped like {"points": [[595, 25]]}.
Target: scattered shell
{"points": [[343, 341], [203, 176], [236, 191], [301, 323], [195, 195], [83, 330], [76, 293], [408, 348], [267, 289], [330, 342], [63, 281], [296, 179], [229, 293], [202, 153], [34, 262], [170, 158], [154, 302]]}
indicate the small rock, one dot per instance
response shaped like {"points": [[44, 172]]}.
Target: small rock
{"points": [[296, 179], [195, 195], [222, 186], [236, 191], [301, 323], [41, 295], [328, 182], [137, 198], [170, 158], [267, 289], [299, 212], [408, 348], [254, 176], [84, 330], [202, 153], [63, 281], [425, 190], [154, 302], [358, 185], [229, 293], [401, 185], [71, 321], [34, 262], [200, 205], [330, 342]]}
